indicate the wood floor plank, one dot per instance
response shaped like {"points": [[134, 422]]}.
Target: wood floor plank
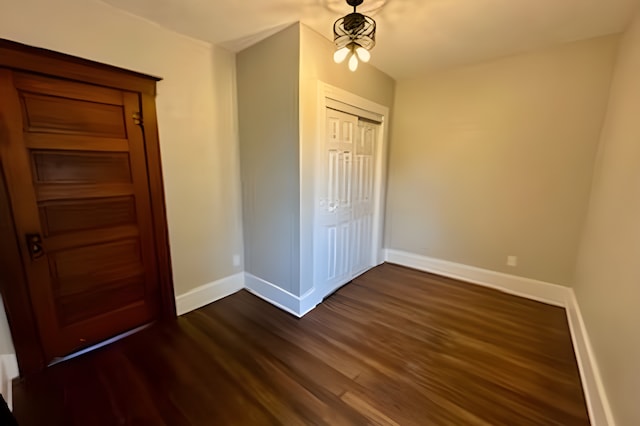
{"points": [[394, 347]]}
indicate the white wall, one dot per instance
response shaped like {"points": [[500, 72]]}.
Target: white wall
{"points": [[608, 271], [495, 159], [196, 113]]}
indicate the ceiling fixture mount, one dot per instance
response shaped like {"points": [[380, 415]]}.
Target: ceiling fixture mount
{"points": [[354, 36]]}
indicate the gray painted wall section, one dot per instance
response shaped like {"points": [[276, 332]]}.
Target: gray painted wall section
{"points": [[267, 79]]}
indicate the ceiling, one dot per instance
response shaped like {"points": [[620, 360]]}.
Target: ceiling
{"points": [[413, 37]]}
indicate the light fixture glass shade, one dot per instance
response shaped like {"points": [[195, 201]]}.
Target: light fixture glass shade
{"points": [[340, 55], [363, 54], [353, 62]]}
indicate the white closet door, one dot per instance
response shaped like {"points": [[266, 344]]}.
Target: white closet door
{"points": [[363, 197], [333, 238]]}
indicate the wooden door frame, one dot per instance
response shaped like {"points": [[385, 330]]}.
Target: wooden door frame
{"points": [[22, 321]]}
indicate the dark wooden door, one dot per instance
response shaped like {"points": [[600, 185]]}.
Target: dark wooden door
{"points": [[76, 172]]}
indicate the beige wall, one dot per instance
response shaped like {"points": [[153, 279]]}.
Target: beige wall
{"points": [[316, 64], [268, 118], [608, 272], [495, 159], [196, 112]]}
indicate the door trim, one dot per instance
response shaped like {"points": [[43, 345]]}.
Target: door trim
{"points": [[20, 315], [14, 289], [326, 93], [35, 59]]}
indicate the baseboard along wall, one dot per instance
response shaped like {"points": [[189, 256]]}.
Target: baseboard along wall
{"points": [[216, 290], [298, 306], [552, 294], [208, 293], [597, 401]]}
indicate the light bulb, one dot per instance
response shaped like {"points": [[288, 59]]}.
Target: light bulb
{"points": [[353, 62], [340, 55], [363, 54]]}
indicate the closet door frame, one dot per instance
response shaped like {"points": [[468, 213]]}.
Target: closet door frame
{"points": [[19, 57], [364, 108]]}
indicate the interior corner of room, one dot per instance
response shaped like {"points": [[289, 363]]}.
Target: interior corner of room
{"points": [[518, 172]]}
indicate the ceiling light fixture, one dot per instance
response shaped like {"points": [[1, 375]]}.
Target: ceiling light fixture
{"points": [[354, 36]]}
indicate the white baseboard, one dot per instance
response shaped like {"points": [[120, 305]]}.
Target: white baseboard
{"points": [[207, 293], [597, 401], [8, 372], [308, 301], [553, 294], [284, 300], [272, 294], [540, 291]]}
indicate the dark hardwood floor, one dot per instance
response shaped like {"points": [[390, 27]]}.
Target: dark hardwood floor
{"points": [[394, 347]]}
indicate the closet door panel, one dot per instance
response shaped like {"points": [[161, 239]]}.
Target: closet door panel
{"points": [[334, 230], [363, 200]]}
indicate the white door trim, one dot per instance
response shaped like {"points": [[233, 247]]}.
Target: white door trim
{"points": [[325, 92]]}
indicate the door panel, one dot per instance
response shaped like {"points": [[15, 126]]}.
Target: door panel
{"points": [[93, 280], [79, 215], [57, 114], [74, 142], [363, 207], [79, 180], [53, 166], [334, 231]]}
